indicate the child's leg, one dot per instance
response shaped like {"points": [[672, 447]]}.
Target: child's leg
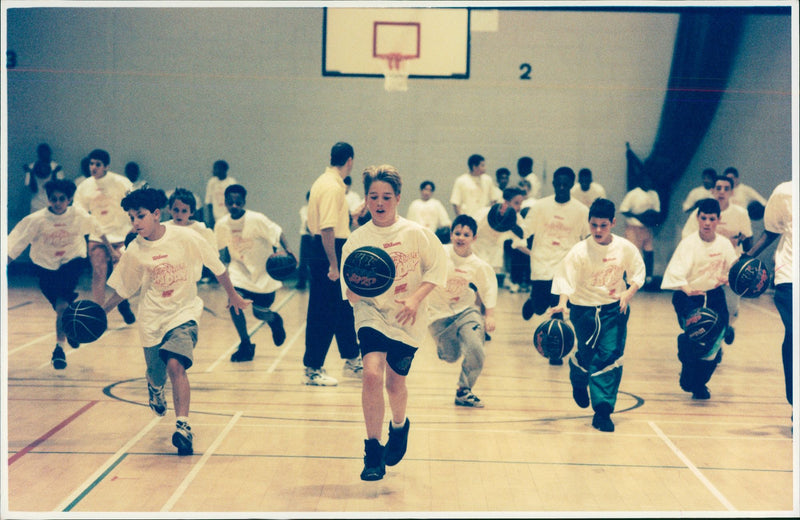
{"points": [[398, 395], [181, 391], [372, 403], [471, 335], [99, 258], [60, 307], [240, 324]]}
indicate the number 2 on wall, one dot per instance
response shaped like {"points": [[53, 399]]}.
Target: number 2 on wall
{"points": [[526, 71]]}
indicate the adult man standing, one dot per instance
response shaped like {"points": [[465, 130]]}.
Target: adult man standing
{"points": [[473, 190], [328, 314]]}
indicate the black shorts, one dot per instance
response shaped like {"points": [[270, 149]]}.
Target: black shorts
{"points": [[259, 299], [542, 297], [61, 283], [398, 355]]}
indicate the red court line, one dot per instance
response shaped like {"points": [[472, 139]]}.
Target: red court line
{"points": [[49, 434]]}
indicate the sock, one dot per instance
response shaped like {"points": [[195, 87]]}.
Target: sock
{"points": [[396, 426], [184, 419]]}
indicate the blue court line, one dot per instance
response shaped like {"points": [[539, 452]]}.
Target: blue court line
{"points": [[94, 484]]}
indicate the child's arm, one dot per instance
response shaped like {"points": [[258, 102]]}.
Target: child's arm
{"points": [[112, 301], [561, 306], [411, 304], [234, 300], [488, 319], [626, 296], [284, 243]]}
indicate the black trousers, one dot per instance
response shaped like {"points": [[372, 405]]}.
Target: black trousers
{"points": [[783, 301], [328, 314]]}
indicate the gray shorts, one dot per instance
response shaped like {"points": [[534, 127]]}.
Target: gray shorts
{"points": [[178, 343]]}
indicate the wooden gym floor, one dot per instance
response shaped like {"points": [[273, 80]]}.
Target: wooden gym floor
{"points": [[83, 441]]}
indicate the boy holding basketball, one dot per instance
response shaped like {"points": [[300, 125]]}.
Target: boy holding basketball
{"points": [[599, 278], [165, 263], [696, 273], [388, 326], [250, 237], [58, 252], [456, 322]]}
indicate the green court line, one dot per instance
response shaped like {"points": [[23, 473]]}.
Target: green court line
{"points": [[94, 484]]}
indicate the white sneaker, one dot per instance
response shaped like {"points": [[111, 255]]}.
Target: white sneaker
{"points": [[513, 288], [318, 377], [353, 368]]}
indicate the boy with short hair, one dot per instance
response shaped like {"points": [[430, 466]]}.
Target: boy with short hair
{"points": [[427, 210], [587, 191], [58, 252], [215, 192], [457, 325], [600, 277], [696, 273], [165, 263], [250, 237]]}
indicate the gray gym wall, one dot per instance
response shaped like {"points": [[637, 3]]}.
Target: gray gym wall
{"points": [[175, 89]]}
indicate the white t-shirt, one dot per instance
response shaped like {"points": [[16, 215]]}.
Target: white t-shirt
{"points": [[744, 195], [199, 227], [456, 296], [250, 240], [54, 239], [697, 194], [595, 191], [101, 198], [418, 257], [555, 228], [430, 213], [593, 273], [166, 271], [638, 201], [699, 265], [471, 193], [488, 244], [304, 221], [733, 221], [778, 219], [215, 194]]}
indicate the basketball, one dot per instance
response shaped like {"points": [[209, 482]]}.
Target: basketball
{"points": [[504, 222], [749, 277], [281, 265], [368, 271], [702, 325], [554, 339], [84, 321]]}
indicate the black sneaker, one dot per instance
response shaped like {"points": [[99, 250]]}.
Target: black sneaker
{"points": [[701, 394], [581, 396], [275, 322], [182, 438], [397, 444], [59, 359], [124, 308], [527, 309], [245, 353], [73, 342], [602, 421], [730, 334], [374, 468]]}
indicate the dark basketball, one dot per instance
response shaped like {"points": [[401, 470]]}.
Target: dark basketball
{"points": [[84, 321], [281, 265], [443, 234], [368, 271], [755, 210], [504, 222], [554, 339], [749, 277], [703, 326]]}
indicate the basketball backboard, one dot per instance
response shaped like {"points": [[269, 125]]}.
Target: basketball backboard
{"points": [[433, 42]]}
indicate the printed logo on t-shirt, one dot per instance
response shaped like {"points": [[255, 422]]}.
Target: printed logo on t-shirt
{"points": [[404, 263], [165, 276], [58, 238]]}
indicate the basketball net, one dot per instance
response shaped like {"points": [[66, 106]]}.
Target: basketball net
{"points": [[395, 73]]}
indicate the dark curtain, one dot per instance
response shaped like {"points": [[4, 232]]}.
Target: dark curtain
{"points": [[706, 45]]}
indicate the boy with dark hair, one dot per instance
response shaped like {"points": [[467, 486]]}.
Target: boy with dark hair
{"points": [[599, 278], [456, 323], [215, 192], [100, 196], [58, 252], [556, 223], [709, 176], [250, 237], [696, 273], [427, 210], [165, 263], [587, 191], [472, 190]]}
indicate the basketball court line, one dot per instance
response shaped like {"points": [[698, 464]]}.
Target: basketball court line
{"points": [[50, 433], [32, 342], [227, 354], [84, 489], [285, 350], [707, 483], [202, 462]]}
